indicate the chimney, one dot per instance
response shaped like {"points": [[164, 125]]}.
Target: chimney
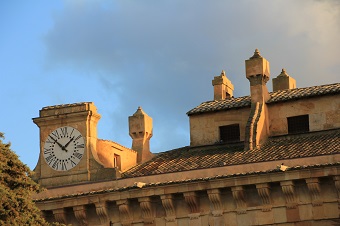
{"points": [[223, 88], [283, 81], [257, 128], [258, 72], [140, 130]]}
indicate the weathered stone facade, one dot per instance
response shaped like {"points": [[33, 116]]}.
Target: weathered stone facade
{"points": [[282, 169]]}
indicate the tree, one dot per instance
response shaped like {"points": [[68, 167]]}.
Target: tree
{"points": [[16, 189]]}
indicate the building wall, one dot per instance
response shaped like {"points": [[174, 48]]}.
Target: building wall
{"points": [[296, 197], [107, 150], [323, 113], [204, 128]]}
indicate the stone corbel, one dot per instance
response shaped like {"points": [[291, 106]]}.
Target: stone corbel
{"points": [[101, 212], [337, 186], [168, 205], [215, 198], [238, 194], [60, 215], [124, 211], [289, 193], [314, 190], [193, 202], [264, 192], [148, 212], [80, 214]]}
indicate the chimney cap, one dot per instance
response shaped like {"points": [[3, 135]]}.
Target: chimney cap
{"points": [[283, 73], [139, 111], [256, 54]]}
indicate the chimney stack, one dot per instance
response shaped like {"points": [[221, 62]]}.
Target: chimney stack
{"points": [[223, 88], [257, 128], [283, 81], [258, 73], [140, 130]]}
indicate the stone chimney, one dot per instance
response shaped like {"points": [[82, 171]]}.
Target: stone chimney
{"points": [[257, 128], [283, 81], [140, 130], [258, 72], [223, 88]]}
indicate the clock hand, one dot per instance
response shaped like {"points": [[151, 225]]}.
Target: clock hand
{"points": [[61, 146], [68, 143]]}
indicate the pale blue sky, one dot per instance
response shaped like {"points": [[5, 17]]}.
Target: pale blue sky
{"points": [[161, 55]]}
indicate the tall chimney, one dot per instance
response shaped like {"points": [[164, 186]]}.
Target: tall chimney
{"points": [[258, 72], [257, 128], [140, 130], [283, 81], [223, 88]]}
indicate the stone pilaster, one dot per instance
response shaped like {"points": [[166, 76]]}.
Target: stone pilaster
{"points": [[80, 214], [314, 190], [289, 193], [239, 197], [124, 211], [264, 192]]}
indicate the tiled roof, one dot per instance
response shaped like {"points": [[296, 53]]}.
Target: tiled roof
{"points": [[135, 186], [276, 148], [278, 96]]}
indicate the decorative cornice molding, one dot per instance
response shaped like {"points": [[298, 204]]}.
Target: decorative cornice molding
{"points": [[148, 212], [215, 198], [124, 211], [264, 192], [80, 214], [168, 205], [289, 193], [193, 202], [314, 190], [59, 215], [101, 212], [337, 187], [239, 197]]}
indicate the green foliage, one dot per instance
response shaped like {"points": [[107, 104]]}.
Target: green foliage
{"points": [[16, 189]]}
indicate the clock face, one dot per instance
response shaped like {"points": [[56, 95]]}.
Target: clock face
{"points": [[64, 148]]}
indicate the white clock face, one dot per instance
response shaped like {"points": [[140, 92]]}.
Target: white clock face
{"points": [[64, 148]]}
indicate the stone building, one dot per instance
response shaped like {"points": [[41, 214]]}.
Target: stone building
{"points": [[270, 158]]}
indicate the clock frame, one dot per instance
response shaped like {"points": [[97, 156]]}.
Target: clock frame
{"points": [[64, 148]]}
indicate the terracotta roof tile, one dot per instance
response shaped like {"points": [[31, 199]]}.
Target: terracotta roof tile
{"points": [[278, 96], [119, 189], [276, 148]]}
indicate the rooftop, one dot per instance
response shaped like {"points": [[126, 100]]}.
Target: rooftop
{"points": [[278, 96], [209, 156]]}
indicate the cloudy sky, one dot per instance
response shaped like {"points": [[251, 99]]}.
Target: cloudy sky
{"points": [[160, 55]]}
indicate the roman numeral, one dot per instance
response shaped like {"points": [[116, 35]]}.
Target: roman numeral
{"points": [[49, 158], [71, 132], [47, 151], [77, 138], [78, 155], [63, 166], [64, 131], [55, 164], [56, 134], [49, 141], [73, 163], [80, 146]]}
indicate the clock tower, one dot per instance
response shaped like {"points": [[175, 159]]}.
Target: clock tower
{"points": [[68, 146]]}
